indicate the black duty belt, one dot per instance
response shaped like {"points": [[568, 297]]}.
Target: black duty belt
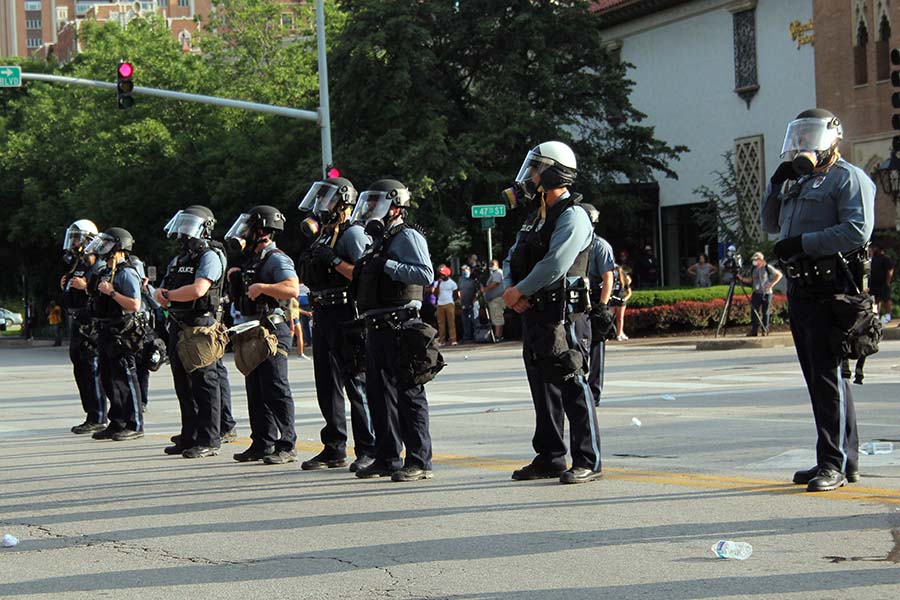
{"points": [[189, 315], [333, 297], [391, 319]]}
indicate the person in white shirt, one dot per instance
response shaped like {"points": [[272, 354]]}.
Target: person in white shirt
{"points": [[446, 292]]}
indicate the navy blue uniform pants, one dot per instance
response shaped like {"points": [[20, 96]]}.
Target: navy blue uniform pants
{"points": [[119, 377], [198, 394], [227, 422], [333, 376], [837, 446], [269, 399], [544, 336], [399, 413], [86, 366]]}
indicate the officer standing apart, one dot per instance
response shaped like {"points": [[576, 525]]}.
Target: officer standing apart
{"points": [[829, 210], [545, 274], [601, 266], [191, 291], [116, 299], [264, 283], [338, 355], [387, 286], [82, 338]]}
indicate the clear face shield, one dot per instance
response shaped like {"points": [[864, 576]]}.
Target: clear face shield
{"points": [[532, 167], [809, 135], [322, 196], [76, 238], [101, 245], [185, 224], [240, 229], [371, 206]]}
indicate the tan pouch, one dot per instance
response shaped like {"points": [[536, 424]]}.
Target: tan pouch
{"points": [[253, 347], [201, 346]]}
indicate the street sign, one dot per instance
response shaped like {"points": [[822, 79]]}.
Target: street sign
{"points": [[488, 223], [10, 76], [484, 211]]}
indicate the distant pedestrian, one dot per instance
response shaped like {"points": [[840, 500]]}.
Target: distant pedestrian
{"points": [[493, 295], [702, 272], [468, 290], [648, 269], [447, 291], [619, 299], [54, 318], [763, 276], [305, 314], [880, 281]]}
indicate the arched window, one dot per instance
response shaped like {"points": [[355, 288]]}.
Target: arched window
{"points": [[860, 58], [883, 50]]}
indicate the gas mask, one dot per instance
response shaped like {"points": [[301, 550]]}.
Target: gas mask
{"points": [[190, 245], [518, 194], [234, 247], [70, 257], [311, 226], [375, 228], [805, 162]]}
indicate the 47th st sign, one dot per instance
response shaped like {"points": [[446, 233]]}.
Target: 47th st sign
{"points": [[10, 76]]}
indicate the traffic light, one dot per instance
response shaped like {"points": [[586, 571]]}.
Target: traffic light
{"points": [[332, 171], [124, 84]]}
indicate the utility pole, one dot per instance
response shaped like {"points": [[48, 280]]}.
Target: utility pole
{"points": [[324, 109]]}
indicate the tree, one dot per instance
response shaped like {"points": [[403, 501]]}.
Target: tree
{"points": [[449, 96], [728, 215]]}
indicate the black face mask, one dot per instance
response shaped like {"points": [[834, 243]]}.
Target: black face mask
{"points": [[374, 228], [70, 257]]}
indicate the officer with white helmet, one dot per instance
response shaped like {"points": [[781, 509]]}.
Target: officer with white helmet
{"points": [[83, 336], [824, 221], [545, 275]]}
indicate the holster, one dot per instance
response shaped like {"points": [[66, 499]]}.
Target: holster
{"points": [[201, 346], [857, 330], [551, 352], [418, 359], [253, 347], [352, 346], [128, 336]]}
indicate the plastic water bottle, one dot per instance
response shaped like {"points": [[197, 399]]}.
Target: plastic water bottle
{"points": [[736, 550], [635, 422], [10, 540], [877, 448]]}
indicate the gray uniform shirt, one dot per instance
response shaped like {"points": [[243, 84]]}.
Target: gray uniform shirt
{"points": [[573, 233], [277, 268], [834, 211], [352, 244], [412, 264], [602, 261]]}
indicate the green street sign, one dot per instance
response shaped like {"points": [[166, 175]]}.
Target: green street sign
{"points": [[484, 211], [488, 223], [10, 76]]}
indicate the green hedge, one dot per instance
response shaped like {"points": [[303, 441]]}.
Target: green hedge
{"points": [[650, 298]]}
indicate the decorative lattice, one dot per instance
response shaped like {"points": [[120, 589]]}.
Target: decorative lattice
{"points": [[860, 18], [749, 178], [746, 82]]}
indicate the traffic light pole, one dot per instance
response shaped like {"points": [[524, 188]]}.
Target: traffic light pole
{"points": [[324, 110], [281, 111]]}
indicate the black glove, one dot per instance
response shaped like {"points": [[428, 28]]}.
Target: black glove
{"points": [[322, 253], [603, 322], [788, 247], [784, 172]]}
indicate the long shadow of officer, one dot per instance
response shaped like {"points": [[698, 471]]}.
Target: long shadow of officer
{"points": [[545, 275]]}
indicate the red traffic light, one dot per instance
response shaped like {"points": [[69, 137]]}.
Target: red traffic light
{"points": [[126, 70], [333, 172]]}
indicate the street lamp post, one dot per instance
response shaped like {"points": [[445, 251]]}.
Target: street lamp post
{"points": [[888, 175]]}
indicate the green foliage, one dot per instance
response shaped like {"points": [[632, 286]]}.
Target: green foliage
{"points": [[647, 298], [449, 96], [687, 315]]}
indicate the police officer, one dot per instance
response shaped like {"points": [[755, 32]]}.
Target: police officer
{"points": [[601, 269], [191, 291], [326, 267], [146, 315], [544, 275], [116, 298], [387, 286], [827, 211], [262, 286], [82, 339]]}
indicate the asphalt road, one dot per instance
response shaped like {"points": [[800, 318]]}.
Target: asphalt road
{"points": [[720, 435]]}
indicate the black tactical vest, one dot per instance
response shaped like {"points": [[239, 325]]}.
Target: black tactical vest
{"points": [[250, 274], [373, 287], [104, 306], [535, 242], [318, 276], [74, 299], [183, 273]]}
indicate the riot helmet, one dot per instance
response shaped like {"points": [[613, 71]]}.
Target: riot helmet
{"points": [[373, 205], [812, 139], [324, 202], [110, 241], [547, 166], [267, 218], [195, 222], [79, 235]]}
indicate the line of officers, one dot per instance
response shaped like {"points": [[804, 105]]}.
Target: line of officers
{"points": [[365, 267]]}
